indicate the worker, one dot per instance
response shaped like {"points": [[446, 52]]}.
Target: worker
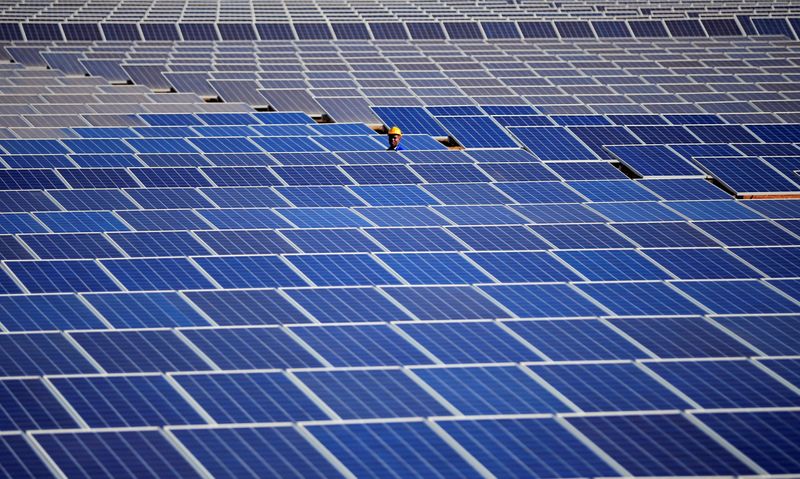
{"points": [[395, 135]]}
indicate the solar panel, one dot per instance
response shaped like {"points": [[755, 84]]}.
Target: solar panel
{"points": [[610, 265], [131, 401], [469, 342], [552, 143], [243, 452], [526, 448], [746, 175], [748, 233], [774, 452], [546, 300], [476, 132], [701, 263], [144, 310], [609, 387], [259, 397], [372, 393], [410, 120], [726, 297], [640, 298], [682, 338], [743, 383], [639, 445], [654, 161], [137, 453], [19, 459]]}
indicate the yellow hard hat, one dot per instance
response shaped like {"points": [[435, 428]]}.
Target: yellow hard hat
{"points": [[395, 131]]}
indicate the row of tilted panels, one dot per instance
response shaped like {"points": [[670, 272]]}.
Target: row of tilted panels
{"points": [[404, 30]]}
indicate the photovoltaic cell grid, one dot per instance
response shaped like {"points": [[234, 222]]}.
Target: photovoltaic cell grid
{"points": [[194, 289]]}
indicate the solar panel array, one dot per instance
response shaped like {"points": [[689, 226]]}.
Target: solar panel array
{"points": [[584, 263]]}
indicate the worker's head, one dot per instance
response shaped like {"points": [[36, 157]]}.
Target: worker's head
{"points": [[394, 136]]}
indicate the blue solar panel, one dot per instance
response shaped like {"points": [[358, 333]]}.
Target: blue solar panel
{"points": [[27, 404], [689, 337], [157, 274], [526, 448], [33, 147], [552, 143], [479, 215], [706, 263], [610, 265], [127, 454], [163, 220], [713, 210], [775, 262], [372, 393], [650, 161], [597, 138], [411, 120], [666, 235], [402, 216], [722, 133], [251, 348], [250, 307], [441, 302], [143, 310], [242, 452], [466, 194], [139, 351], [545, 300], [581, 236], [635, 211], [126, 401], [490, 390], [368, 345], [407, 448], [343, 270], [726, 384], [774, 335], [339, 240], [250, 272], [585, 170], [415, 239], [609, 387], [19, 459], [612, 190], [663, 134], [59, 277], [172, 243], [653, 445], [468, 342], [46, 312], [738, 297], [340, 305], [746, 175], [77, 222], [768, 438], [684, 189], [476, 132], [233, 219], [767, 133], [523, 267], [70, 246], [634, 299], [748, 233], [250, 397], [574, 340], [29, 180]]}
